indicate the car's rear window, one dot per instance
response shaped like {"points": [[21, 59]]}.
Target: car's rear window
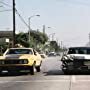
{"points": [[19, 51]]}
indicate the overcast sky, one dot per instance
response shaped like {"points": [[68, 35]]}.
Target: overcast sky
{"points": [[68, 19]]}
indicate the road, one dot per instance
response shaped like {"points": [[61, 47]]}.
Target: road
{"points": [[50, 78]]}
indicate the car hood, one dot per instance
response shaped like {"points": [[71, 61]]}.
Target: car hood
{"points": [[24, 56], [79, 56]]}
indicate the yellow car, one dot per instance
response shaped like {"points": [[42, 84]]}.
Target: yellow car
{"points": [[17, 59]]}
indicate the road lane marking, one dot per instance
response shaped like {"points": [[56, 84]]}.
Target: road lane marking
{"points": [[40, 81], [83, 80], [73, 79]]}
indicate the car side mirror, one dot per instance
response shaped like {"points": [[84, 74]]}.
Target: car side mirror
{"points": [[35, 53]]}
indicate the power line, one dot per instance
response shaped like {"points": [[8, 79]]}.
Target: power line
{"points": [[22, 18], [16, 12], [6, 10], [5, 4], [14, 26]]}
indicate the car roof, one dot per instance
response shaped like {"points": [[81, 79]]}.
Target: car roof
{"points": [[79, 47], [20, 48]]}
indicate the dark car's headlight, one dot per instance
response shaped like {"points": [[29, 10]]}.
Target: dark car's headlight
{"points": [[23, 62], [2, 62]]}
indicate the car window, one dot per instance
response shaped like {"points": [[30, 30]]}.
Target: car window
{"points": [[88, 51], [19, 51], [79, 51], [72, 51]]}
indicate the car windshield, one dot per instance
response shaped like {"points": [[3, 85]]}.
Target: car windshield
{"points": [[19, 51], [79, 51]]}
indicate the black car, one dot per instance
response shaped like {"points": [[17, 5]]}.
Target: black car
{"points": [[77, 59]]}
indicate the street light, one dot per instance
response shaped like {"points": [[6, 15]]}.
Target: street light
{"points": [[29, 23], [52, 36]]}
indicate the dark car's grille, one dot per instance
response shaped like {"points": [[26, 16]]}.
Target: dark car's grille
{"points": [[12, 61], [78, 63], [81, 62]]}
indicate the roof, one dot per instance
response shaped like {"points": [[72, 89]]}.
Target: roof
{"points": [[21, 48], [6, 34]]}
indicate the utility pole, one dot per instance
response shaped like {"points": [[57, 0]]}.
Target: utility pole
{"points": [[89, 37], [61, 44], [52, 37], [14, 23], [44, 29]]}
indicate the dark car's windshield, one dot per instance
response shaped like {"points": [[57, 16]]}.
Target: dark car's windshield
{"points": [[79, 51], [19, 51]]}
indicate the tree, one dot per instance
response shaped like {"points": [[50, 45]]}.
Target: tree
{"points": [[36, 39], [38, 36], [22, 39], [54, 46]]}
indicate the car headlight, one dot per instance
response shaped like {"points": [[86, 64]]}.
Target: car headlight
{"points": [[23, 62]]}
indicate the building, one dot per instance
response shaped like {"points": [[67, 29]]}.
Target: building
{"points": [[6, 37], [6, 34]]}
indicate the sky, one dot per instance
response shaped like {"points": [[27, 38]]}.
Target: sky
{"points": [[68, 19]]}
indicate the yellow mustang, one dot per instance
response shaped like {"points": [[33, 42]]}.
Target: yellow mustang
{"points": [[17, 59]]}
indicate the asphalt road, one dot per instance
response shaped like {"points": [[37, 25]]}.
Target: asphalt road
{"points": [[50, 78]]}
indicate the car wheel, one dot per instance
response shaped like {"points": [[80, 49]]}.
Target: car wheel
{"points": [[66, 72], [38, 68], [32, 70], [0, 72]]}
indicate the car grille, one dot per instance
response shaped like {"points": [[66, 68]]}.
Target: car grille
{"points": [[81, 62], [12, 61], [78, 63]]}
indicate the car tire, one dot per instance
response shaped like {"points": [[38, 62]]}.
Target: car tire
{"points": [[66, 72], [32, 70], [0, 72], [38, 68]]}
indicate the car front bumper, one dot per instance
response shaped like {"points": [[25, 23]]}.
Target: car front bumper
{"points": [[14, 68], [76, 65]]}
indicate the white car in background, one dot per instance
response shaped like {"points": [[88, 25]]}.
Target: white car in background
{"points": [[51, 54], [42, 54]]}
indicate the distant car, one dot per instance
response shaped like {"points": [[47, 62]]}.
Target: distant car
{"points": [[77, 59], [57, 54], [52, 54], [18, 59], [43, 55]]}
